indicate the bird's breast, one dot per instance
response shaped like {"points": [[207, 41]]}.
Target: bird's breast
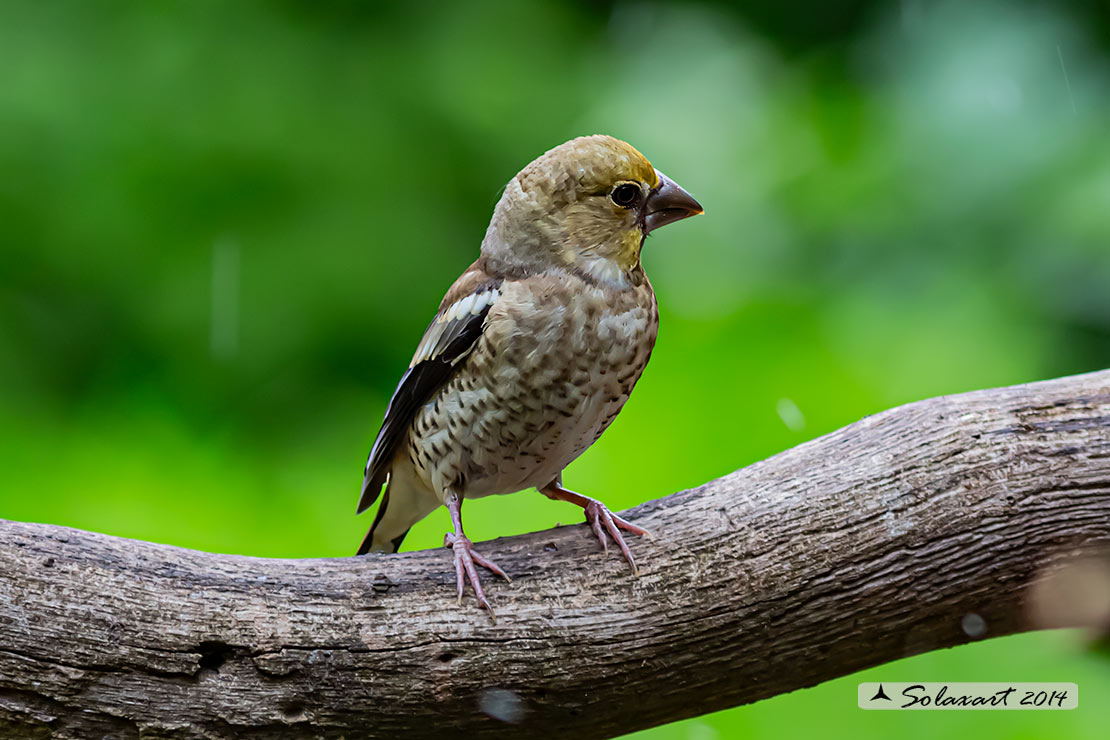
{"points": [[555, 364]]}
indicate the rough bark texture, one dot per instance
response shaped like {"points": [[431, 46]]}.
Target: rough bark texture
{"points": [[869, 544]]}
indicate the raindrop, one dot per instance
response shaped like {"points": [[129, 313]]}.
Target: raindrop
{"points": [[224, 324], [502, 704], [791, 415], [973, 625]]}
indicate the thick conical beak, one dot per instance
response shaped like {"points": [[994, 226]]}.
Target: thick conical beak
{"points": [[668, 203]]}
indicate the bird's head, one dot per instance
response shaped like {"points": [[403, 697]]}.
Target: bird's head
{"points": [[586, 205]]}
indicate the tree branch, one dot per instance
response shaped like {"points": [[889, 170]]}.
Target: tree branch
{"points": [[869, 544]]}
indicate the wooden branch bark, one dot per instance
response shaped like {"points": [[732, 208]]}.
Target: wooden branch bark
{"points": [[869, 544]]}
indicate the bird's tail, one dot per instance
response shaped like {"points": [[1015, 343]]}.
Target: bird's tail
{"points": [[404, 502], [368, 541]]}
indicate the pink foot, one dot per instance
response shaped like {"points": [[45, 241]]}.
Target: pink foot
{"points": [[605, 522], [466, 557]]}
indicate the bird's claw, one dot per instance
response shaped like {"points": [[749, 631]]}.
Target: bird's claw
{"points": [[605, 522], [466, 560]]}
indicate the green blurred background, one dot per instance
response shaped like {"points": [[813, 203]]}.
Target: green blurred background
{"points": [[223, 227]]}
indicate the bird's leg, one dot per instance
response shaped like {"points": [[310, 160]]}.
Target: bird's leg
{"points": [[465, 555], [599, 517]]}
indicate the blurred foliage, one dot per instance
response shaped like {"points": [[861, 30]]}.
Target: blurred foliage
{"points": [[223, 227]]}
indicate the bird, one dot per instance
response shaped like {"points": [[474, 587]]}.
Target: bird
{"points": [[533, 352]]}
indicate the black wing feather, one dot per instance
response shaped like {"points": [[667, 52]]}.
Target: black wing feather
{"points": [[418, 385]]}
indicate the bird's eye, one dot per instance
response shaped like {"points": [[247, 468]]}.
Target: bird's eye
{"points": [[625, 195]]}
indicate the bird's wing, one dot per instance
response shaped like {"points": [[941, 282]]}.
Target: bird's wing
{"points": [[448, 339]]}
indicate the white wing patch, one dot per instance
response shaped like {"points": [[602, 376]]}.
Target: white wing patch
{"points": [[447, 325]]}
